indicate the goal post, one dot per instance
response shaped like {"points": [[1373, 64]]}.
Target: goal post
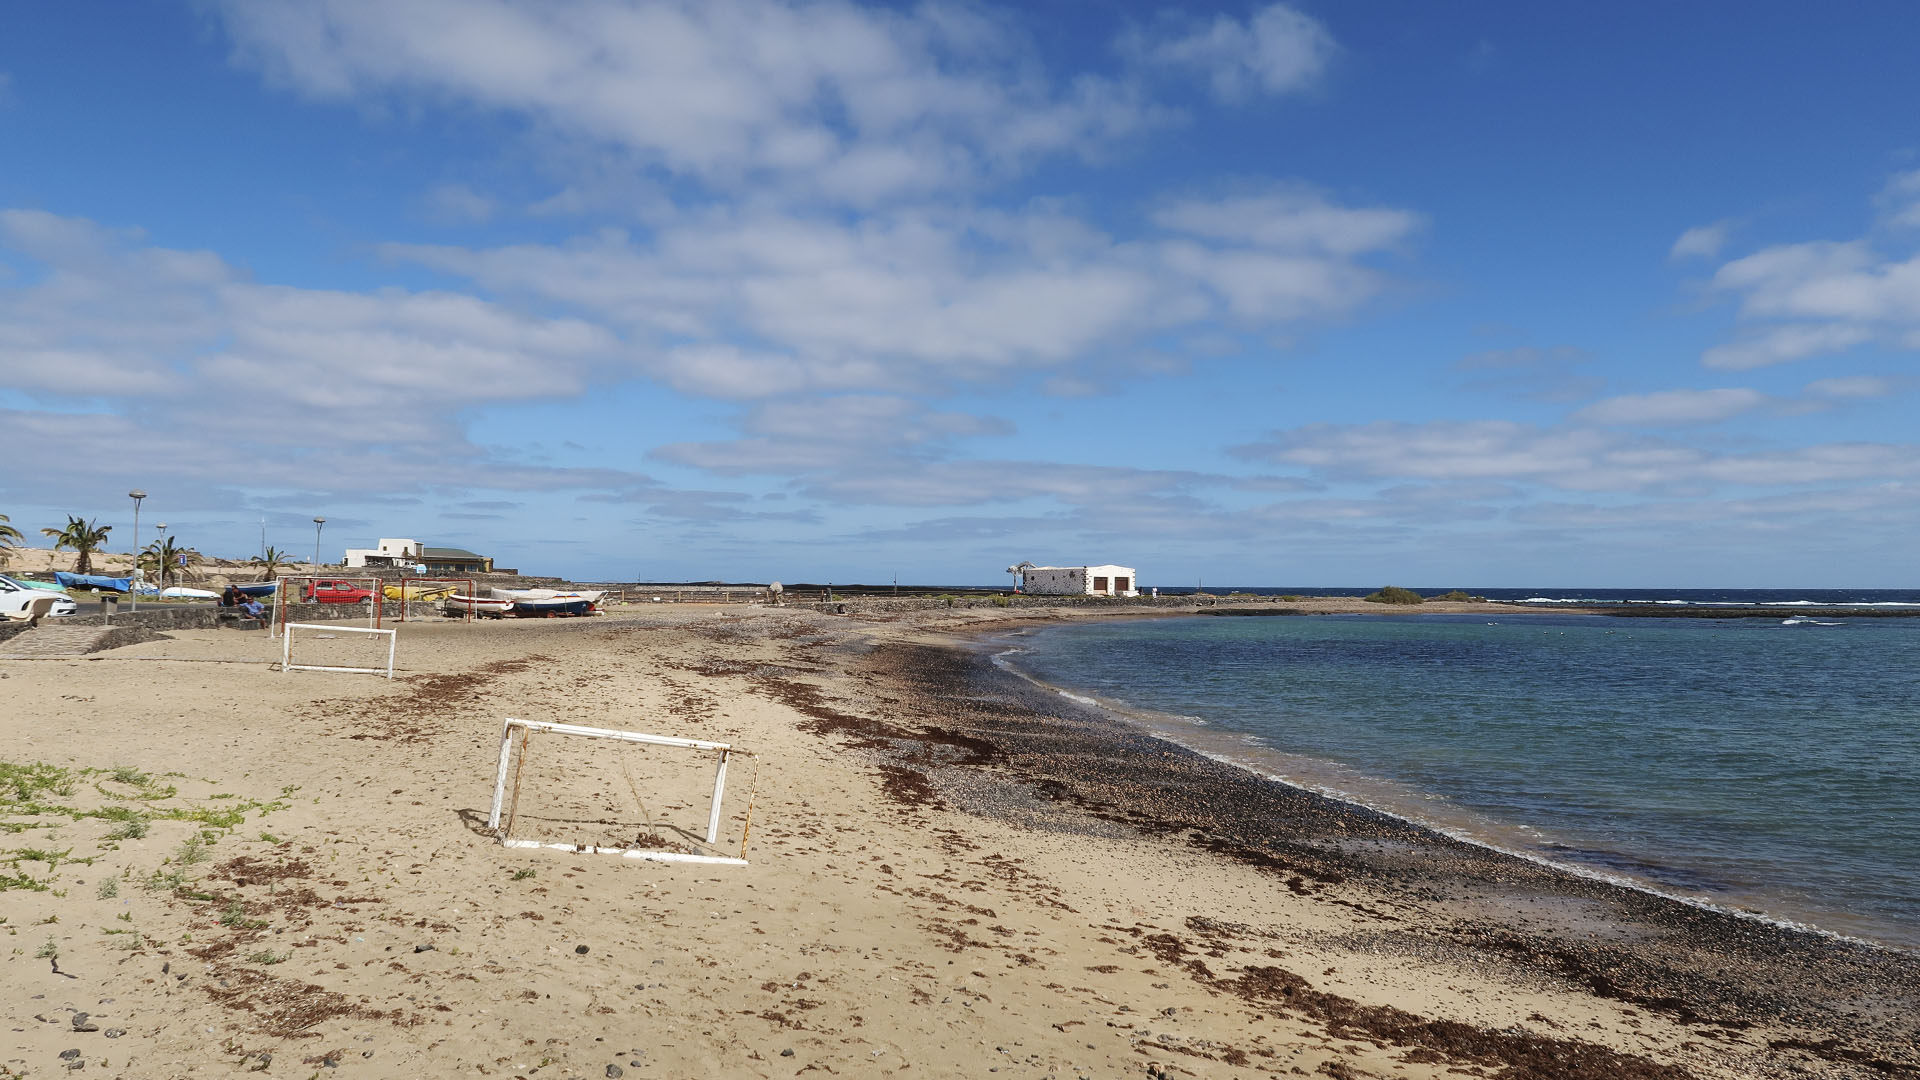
{"points": [[286, 648], [292, 588], [514, 735], [409, 584]]}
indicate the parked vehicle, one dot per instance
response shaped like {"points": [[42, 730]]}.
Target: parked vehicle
{"points": [[16, 601], [329, 591]]}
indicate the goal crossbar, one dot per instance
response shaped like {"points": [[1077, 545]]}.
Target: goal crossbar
{"points": [[527, 727], [406, 600], [286, 648], [287, 594]]}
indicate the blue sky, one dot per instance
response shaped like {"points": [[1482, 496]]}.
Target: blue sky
{"points": [[1492, 294]]}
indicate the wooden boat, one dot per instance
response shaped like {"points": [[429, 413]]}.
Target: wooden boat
{"points": [[490, 607]]}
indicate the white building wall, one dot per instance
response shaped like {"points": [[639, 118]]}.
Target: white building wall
{"points": [[1080, 580], [390, 548], [1055, 580]]}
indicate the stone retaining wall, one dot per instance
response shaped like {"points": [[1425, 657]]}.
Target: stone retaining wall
{"points": [[209, 617]]}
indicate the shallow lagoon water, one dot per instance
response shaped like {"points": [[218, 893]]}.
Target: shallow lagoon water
{"points": [[1751, 764]]}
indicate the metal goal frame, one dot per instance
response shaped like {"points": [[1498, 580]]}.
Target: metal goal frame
{"points": [[286, 648], [508, 803]]}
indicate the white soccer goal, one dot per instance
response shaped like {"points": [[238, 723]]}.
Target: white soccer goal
{"points": [[292, 590], [576, 793], [329, 631]]}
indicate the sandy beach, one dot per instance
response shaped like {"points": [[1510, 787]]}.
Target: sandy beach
{"points": [[216, 868]]}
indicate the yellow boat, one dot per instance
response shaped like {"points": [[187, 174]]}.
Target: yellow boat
{"points": [[428, 591]]}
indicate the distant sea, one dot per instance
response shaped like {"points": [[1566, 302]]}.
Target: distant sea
{"points": [[1767, 765], [1591, 597]]}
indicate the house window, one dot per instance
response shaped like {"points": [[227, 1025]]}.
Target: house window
{"points": [[1099, 584], [1121, 584]]}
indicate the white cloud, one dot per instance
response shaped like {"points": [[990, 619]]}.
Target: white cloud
{"points": [[1671, 407], [971, 483], [189, 346], [1900, 200], [1786, 343], [1567, 458], [460, 204], [1824, 296], [1277, 50], [757, 302], [1824, 281], [1702, 241], [1852, 386], [1295, 221], [857, 102], [848, 432], [1532, 374]]}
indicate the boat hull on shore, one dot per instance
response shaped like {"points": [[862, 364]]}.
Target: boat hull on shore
{"points": [[490, 607], [548, 607]]}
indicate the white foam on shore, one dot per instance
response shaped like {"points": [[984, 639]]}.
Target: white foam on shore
{"points": [[1144, 720]]}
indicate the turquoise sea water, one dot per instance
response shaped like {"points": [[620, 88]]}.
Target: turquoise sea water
{"points": [[1753, 764]]}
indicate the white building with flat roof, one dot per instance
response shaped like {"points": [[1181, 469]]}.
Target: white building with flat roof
{"points": [[1107, 580], [391, 552]]}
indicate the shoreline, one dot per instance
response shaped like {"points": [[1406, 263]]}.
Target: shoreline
{"points": [[1749, 938], [1162, 725]]}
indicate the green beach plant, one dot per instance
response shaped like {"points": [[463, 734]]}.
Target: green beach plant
{"points": [[165, 557], [272, 560], [1457, 596], [1393, 594], [81, 536], [9, 539]]}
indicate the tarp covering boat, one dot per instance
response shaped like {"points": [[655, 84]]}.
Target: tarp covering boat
{"points": [[92, 581], [47, 586], [257, 588]]}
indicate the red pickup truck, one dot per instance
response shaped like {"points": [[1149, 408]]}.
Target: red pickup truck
{"points": [[336, 592]]}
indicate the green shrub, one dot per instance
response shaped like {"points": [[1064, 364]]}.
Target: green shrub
{"points": [[1393, 594], [1454, 597], [1290, 598]]}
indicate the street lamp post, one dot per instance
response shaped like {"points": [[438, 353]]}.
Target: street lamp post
{"points": [[317, 523], [133, 593]]}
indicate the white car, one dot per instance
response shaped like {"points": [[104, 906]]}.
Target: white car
{"points": [[16, 600]]}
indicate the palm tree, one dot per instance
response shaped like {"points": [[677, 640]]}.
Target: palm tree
{"points": [[164, 556], [82, 536], [273, 560], [9, 538]]}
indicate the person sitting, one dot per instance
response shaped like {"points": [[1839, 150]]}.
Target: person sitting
{"points": [[231, 598], [253, 607]]}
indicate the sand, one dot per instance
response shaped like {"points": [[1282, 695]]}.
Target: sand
{"points": [[952, 873]]}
